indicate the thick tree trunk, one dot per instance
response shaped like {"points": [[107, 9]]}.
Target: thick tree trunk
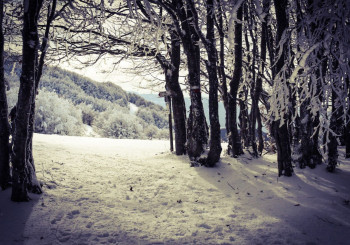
{"points": [[215, 136], [235, 146], [310, 155], [178, 105], [33, 183], [5, 177], [179, 108], [25, 96], [197, 133], [281, 133]]}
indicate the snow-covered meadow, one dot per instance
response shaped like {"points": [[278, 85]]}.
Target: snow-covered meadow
{"points": [[120, 191]]}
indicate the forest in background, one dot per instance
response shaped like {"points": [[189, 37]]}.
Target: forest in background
{"points": [[67, 101]]}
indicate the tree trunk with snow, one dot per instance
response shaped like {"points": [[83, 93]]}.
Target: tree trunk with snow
{"points": [[25, 95], [310, 155], [332, 140], [5, 177], [197, 133], [33, 183], [235, 146], [258, 88], [280, 129]]}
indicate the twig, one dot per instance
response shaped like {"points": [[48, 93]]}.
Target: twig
{"points": [[230, 186]]}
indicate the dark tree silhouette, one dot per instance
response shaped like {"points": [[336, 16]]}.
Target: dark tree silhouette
{"points": [[5, 177], [25, 97], [235, 146]]}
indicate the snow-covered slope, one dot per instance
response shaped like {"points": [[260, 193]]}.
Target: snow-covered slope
{"points": [[107, 191]]}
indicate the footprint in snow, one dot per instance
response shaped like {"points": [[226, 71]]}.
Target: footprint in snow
{"points": [[73, 214], [204, 226], [105, 234], [89, 225], [57, 218]]}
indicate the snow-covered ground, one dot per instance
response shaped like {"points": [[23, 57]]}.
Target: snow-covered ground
{"points": [[107, 191]]}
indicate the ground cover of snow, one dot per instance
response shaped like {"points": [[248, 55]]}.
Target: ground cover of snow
{"points": [[119, 191]]}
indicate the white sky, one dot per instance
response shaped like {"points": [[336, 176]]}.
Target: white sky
{"points": [[121, 74]]}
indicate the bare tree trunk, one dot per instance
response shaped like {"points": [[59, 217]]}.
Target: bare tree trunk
{"points": [[25, 96], [5, 177], [333, 144], [215, 136], [347, 130], [243, 118], [280, 132], [178, 105], [235, 146], [197, 133], [221, 70], [33, 183]]}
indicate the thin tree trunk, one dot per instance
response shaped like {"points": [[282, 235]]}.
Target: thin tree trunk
{"points": [[244, 117], [215, 136], [333, 144], [347, 130], [5, 177], [254, 90], [258, 89], [235, 146], [221, 72], [25, 96]]}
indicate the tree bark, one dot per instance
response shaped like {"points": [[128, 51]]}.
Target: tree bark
{"points": [[235, 146], [310, 155], [221, 70], [5, 177], [25, 96], [332, 143], [280, 132], [33, 183], [347, 131], [258, 89], [178, 105], [215, 136], [197, 133]]}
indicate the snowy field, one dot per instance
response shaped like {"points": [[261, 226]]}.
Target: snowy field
{"points": [[107, 191]]}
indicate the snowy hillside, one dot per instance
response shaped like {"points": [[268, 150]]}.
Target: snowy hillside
{"points": [[68, 103], [122, 191]]}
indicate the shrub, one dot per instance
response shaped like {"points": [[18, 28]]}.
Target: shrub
{"points": [[55, 115], [115, 124]]}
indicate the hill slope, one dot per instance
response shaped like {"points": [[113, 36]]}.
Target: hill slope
{"points": [[68, 103]]}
